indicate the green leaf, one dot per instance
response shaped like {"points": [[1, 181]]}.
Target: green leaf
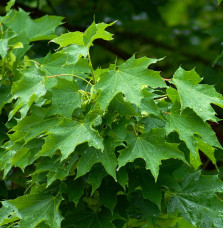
{"points": [[10, 4], [56, 169], [27, 90], [148, 104], [188, 125], [166, 220], [43, 208], [143, 179], [153, 122], [119, 128], [91, 156], [145, 208], [33, 125], [65, 98], [95, 177], [90, 219], [75, 189], [56, 65], [152, 148], [5, 96], [196, 96], [108, 193], [33, 147], [39, 29], [5, 160], [173, 94], [8, 213], [74, 53], [123, 107], [4, 42], [219, 2], [128, 79], [68, 134], [94, 31], [69, 38], [122, 177], [197, 201]]}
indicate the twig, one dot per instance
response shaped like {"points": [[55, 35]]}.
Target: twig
{"points": [[58, 75], [30, 60], [91, 66]]}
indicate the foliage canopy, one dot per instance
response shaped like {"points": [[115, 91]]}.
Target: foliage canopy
{"points": [[85, 146]]}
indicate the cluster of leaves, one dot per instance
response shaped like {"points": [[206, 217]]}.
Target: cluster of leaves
{"points": [[92, 147]]}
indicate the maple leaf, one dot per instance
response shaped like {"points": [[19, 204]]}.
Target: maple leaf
{"points": [[91, 156], [93, 32], [43, 207], [55, 168], [100, 136], [27, 90], [197, 202], [95, 177], [74, 53], [56, 64], [68, 134], [152, 148], [33, 125], [10, 4], [5, 96], [143, 179], [75, 189], [188, 125], [148, 104], [196, 96], [39, 29], [108, 193], [123, 107], [65, 98], [18, 155], [91, 219], [128, 79], [4, 42]]}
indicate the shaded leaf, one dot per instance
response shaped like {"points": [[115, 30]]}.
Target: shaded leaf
{"points": [[95, 177], [75, 189], [91, 219], [152, 148], [144, 180], [5, 96], [91, 156], [108, 193]]}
